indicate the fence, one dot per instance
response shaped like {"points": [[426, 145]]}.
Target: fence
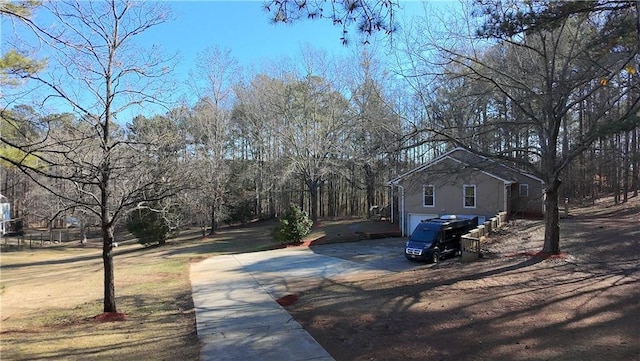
{"points": [[33, 240], [470, 242]]}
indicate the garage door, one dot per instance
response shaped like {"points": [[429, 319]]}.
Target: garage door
{"points": [[415, 218]]}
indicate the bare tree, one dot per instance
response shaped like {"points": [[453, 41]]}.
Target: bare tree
{"points": [[376, 127], [255, 129], [99, 75], [544, 75], [208, 125], [317, 126]]}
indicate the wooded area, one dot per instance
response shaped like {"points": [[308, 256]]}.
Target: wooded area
{"points": [[556, 96]]}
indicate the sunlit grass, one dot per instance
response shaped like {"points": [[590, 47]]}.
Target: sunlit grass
{"points": [[52, 295]]}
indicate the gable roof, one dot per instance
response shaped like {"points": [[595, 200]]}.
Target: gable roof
{"points": [[469, 159]]}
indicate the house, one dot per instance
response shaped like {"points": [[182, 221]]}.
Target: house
{"points": [[5, 214], [461, 182]]}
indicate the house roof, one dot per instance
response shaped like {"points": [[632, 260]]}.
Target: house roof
{"points": [[468, 159]]}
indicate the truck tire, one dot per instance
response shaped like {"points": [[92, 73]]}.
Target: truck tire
{"points": [[435, 257]]}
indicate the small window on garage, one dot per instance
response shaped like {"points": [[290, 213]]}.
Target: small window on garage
{"points": [[524, 190], [428, 196], [469, 192]]}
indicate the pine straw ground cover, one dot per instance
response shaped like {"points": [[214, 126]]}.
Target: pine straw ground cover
{"points": [[51, 296]]}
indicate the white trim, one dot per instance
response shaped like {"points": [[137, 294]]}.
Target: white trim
{"points": [[464, 196], [402, 212], [391, 203], [526, 187], [424, 204]]}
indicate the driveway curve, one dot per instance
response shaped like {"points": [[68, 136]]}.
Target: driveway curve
{"points": [[235, 296]]}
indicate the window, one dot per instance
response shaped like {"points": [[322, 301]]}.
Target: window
{"points": [[428, 196], [524, 190], [469, 196]]}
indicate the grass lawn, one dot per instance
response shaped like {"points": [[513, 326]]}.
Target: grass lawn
{"points": [[50, 296]]}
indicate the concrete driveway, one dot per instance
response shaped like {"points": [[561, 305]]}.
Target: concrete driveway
{"points": [[235, 296]]}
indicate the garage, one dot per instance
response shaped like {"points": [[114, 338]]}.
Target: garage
{"points": [[415, 218]]}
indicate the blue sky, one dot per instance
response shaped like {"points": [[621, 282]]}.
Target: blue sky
{"points": [[245, 28]]}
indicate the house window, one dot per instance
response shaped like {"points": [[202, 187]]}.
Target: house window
{"points": [[428, 196], [469, 196], [524, 190]]}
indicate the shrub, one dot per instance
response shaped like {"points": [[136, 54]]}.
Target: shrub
{"points": [[148, 226], [241, 212], [293, 226]]}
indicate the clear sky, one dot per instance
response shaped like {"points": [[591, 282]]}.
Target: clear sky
{"points": [[245, 28]]}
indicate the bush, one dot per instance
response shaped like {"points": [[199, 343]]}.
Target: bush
{"points": [[293, 227], [241, 212], [148, 226]]}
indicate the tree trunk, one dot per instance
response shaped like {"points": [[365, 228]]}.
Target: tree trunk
{"points": [[331, 199], [214, 221], [321, 212], [370, 186], [636, 162], [625, 169], [107, 260], [273, 213], [301, 200], [616, 168], [313, 195], [551, 220]]}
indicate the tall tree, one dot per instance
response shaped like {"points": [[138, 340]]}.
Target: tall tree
{"points": [[368, 16], [376, 126], [14, 64], [318, 124], [100, 74], [208, 124], [544, 74], [255, 129]]}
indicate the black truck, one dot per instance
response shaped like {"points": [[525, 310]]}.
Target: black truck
{"points": [[437, 238]]}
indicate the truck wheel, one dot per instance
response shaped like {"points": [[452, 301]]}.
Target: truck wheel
{"points": [[435, 257]]}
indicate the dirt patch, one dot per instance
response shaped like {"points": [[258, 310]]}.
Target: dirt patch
{"points": [[513, 304], [540, 254], [349, 230], [111, 317]]}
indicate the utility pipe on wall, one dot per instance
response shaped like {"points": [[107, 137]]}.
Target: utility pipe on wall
{"points": [[391, 202], [401, 210]]}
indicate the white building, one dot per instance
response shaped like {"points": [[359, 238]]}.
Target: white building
{"points": [[5, 214]]}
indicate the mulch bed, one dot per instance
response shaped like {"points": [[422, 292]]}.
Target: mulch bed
{"points": [[287, 300], [111, 317]]}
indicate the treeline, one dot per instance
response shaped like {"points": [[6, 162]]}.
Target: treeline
{"points": [[245, 150], [558, 101]]}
